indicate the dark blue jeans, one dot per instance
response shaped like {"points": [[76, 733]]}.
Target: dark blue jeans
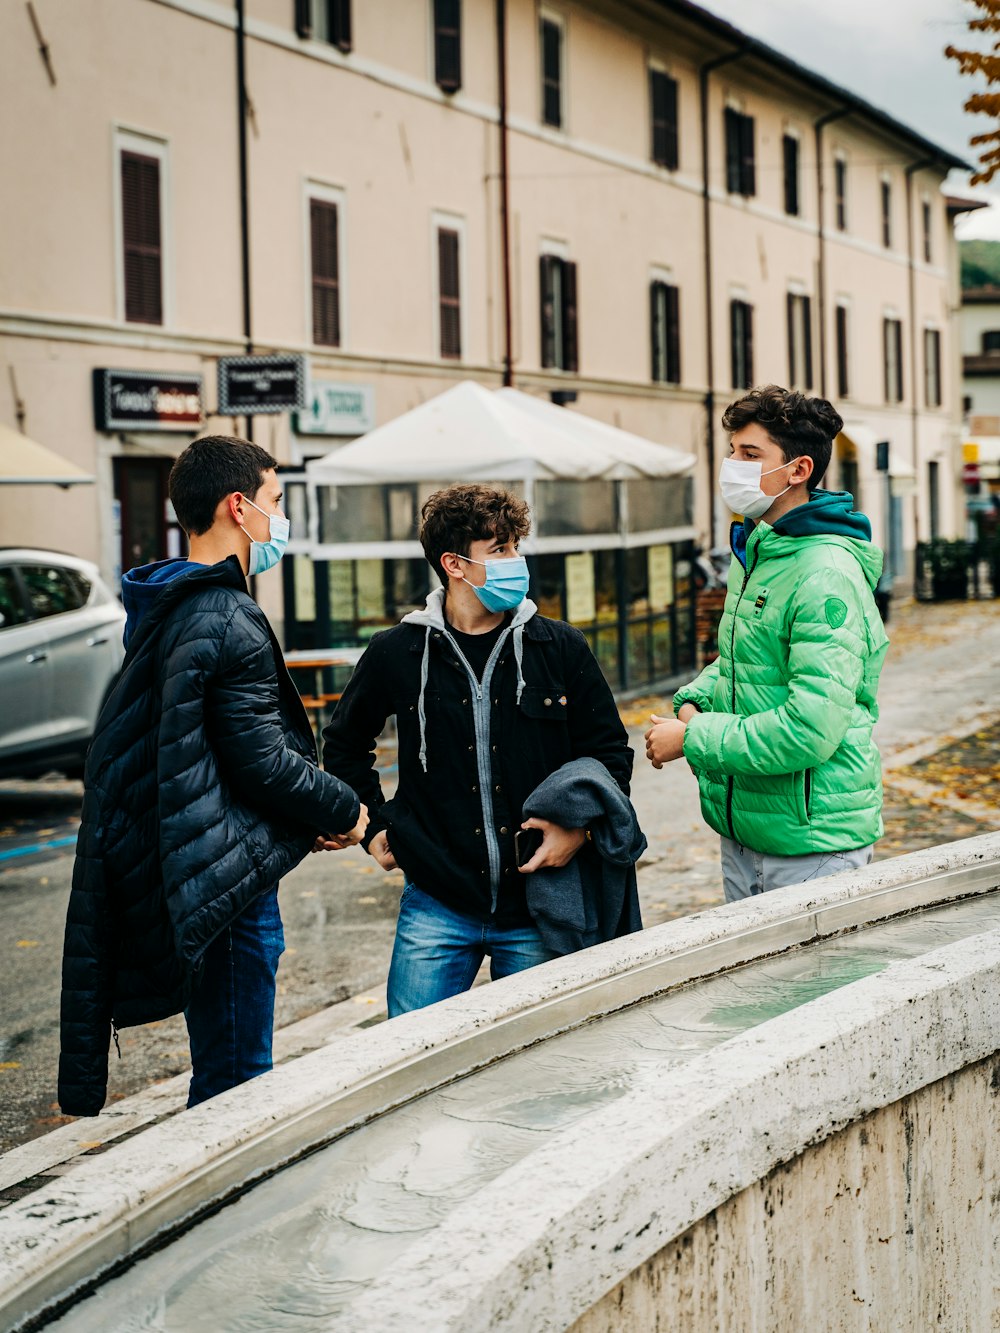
{"points": [[230, 1018], [438, 951]]}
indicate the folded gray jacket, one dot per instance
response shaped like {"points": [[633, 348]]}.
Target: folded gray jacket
{"points": [[593, 898]]}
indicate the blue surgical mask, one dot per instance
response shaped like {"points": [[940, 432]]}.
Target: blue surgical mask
{"points": [[265, 555], [506, 583]]}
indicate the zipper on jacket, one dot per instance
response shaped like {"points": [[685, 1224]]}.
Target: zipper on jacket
{"points": [[807, 784], [732, 663], [481, 722]]}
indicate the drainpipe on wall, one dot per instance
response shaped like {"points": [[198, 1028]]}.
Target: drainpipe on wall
{"points": [[703, 76], [818, 127], [508, 361], [241, 93], [912, 297]]}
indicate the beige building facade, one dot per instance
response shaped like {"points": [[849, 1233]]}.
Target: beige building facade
{"points": [[669, 236]]}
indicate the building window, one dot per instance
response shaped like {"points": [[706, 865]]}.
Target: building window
{"points": [[932, 367], [790, 152], [741, 343], [886, 214], [991, 341], [551, 43], [448, 45], [665, 332], [799, 312], [741, 174], [326, 20], [843, 359], [840, 192], [559, 313], [892, 358], [663, 112], [449, 293], [324, 229], [142, 235], [926, 216]]}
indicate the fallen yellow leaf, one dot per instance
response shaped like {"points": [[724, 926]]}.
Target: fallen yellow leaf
{"points": [[10, 1064], [27, 944]]}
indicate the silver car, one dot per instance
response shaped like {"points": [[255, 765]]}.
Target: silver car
{"points": [[60, 653]]}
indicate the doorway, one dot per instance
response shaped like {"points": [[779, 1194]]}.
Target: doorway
{"points": [[149, 527]]}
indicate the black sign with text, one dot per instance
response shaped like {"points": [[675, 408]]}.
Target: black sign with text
{"points": [[147, 400], [252, 385]]}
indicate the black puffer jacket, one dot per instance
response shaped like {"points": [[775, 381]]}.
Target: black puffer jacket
{"points": [[202, 790]]}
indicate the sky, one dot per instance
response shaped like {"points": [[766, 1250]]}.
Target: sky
{"points": [[890, 52]]}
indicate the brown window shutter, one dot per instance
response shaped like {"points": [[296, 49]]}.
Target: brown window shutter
{"points": [[733, 150], [448, 45], [792, 349], [843, 380], [338, 23], [143, 257], [840, 178], [886, 376], [551, 73], [663, 108], [899, 359], [790, 157], [449, 295], [657, 331], [886, 214], [569, 312], [673, 298], [323, 227], [547, 307], [748, 167], [807, 341], [303, 18]]}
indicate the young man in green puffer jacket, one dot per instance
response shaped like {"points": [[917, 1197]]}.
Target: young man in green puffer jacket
{"points": [[778, 730]]}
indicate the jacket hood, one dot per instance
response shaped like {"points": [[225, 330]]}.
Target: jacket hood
{"points": [[150, 591], [828, 517]]}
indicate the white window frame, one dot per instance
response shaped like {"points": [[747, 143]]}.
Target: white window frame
{"points": [[891, 312], [885, 178], [931, 326], [450, 222], [797, 353], [549, 245], [549, 15], [124, 139], [927, 238], [327, 194]]}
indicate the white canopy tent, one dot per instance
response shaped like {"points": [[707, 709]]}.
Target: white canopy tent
{"points": [[474, 434]]}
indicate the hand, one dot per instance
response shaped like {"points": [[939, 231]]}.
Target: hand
{"points": [[664, 740], [686, 712], [379, 849], [336, 842], [559, 845]]}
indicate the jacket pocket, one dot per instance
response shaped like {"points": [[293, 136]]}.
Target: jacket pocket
{"points": [[801, 783], [546, 703]]}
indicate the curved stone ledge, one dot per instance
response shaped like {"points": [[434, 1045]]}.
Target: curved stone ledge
{"points": [[112, 1205], [546, 1242]]}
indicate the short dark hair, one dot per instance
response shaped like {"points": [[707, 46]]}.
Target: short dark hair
{"points": [[207, 471], [800, 426], [452, 519]]}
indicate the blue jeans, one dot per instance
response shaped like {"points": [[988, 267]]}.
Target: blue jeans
{"points": [[230, 1017], [438, 951]]}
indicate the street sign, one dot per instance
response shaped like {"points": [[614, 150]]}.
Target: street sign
{"points": [[147, 400], [970, 474], [882, 455], [337, 409], [255, 385]]}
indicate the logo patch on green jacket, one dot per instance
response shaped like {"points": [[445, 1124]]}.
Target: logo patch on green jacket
{"points": [[836, 612]]}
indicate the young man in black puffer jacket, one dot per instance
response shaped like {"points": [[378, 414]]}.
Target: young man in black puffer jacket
{"points": [[201, 790]]}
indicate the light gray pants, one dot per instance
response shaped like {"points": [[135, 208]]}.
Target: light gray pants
{"points": [[745, 872]]}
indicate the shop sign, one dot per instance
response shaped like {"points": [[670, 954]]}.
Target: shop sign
{"points": [[256, 385], [337, 409], [147, 400]]}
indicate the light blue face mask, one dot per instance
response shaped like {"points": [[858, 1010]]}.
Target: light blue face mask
{"points": [[506, 583], [265, 555]]}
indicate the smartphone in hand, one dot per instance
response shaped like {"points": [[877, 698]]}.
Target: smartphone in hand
{"points": [[526, 843]]}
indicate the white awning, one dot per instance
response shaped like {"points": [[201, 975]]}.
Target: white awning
{"points": [[865, 439], [470, 433], [25, 462]]}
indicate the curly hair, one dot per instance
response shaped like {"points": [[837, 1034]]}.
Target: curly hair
{"points": [[800, 426], [459, 515]]}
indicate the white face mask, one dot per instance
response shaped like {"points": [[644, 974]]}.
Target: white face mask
{"points": [[739, 483]]}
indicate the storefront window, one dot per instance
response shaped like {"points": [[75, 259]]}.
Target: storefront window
{"points": [[659, 502], [575, 508], [352, 514]]}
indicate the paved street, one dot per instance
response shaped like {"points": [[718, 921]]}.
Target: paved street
{"points": [[939, 734]]}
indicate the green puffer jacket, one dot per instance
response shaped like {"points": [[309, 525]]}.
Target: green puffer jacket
{"points": [[782, 745]]}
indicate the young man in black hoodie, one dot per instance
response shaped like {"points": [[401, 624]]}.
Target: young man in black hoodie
{"points": [[490, 700], [201, 790]]}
